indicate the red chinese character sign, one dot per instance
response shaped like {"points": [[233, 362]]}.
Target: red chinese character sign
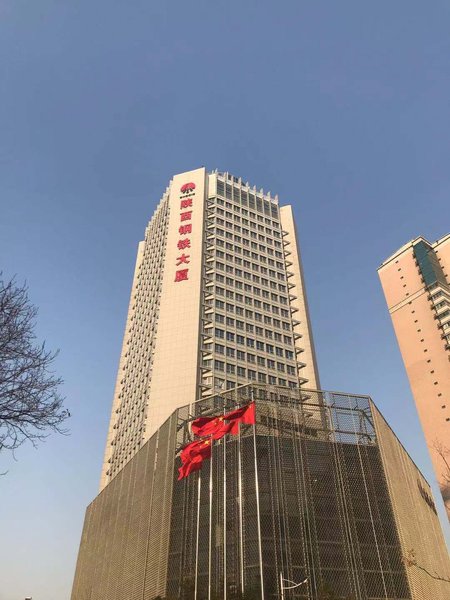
{"points": [[184, 229]]}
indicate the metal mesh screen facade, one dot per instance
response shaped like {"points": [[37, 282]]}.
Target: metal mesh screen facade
{"points": [[302, 495]]}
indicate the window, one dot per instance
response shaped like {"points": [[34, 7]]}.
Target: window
{"points": [[241, 372], [219, 365], [269, 348], [259, 345], [219, 348], [220, 333], [220, 318], [289, 354], [251, 357], [240, 355], [250, 342], [261, 361], [261, 378], [230, 336], [240, 339], [272, 380], [280, 367], [271, 363], [290, 370], [251, 374], [279, 351], [231, 369], [239, 324], [231, 352]]}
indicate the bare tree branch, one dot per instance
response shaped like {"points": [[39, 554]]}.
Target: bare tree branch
{"points": [[411, 561], [30, 403]]}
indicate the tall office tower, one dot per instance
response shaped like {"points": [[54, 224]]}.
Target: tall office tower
{"points": [[217, 300], [416, 284], [313, 490]]}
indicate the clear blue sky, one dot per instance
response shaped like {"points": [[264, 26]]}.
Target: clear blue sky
{"points": [[342, 108]]}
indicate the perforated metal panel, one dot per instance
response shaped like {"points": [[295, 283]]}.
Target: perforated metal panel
{"points": [[304, 494]]}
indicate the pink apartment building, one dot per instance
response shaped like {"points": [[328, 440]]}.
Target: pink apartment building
{"points": [[416, 285]]}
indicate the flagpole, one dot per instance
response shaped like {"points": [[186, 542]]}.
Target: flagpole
{"points": [[258, 512], [210, 525], [241, 534], [224, 520], [197, 536]]}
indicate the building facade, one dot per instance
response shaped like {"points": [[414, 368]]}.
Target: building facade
{"points": [[319, 491], [218, 299], [416, 285]]}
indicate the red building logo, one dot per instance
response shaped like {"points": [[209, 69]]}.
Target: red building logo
{"points": [[187, 187]]}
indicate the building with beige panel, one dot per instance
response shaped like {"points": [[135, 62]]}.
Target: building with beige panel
{"points": [[218, 300], [416, 284], [317, 490]]}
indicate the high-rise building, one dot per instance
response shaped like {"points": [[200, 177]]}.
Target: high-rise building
{"points": [[318, 491], [416, 284], [218, 299]]}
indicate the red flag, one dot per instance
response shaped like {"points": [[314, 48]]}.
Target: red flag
{"points": [[189, 467], [245, 415], [192, 457], [199, 447], [214, 427]]}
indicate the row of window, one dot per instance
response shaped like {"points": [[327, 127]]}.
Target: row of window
{"points": [[248, 358], [236, 208], [246, 287], [230, 258], [250, 327], [238, 250], [245, 198], [247, 275], [245, 241], [249, 314], [252, 343], [248, 232], [230, 336], [273, 230], [255, 376], [220, 291]]}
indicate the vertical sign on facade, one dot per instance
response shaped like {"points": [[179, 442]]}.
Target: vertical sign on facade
{"points": [[185, 229]]}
